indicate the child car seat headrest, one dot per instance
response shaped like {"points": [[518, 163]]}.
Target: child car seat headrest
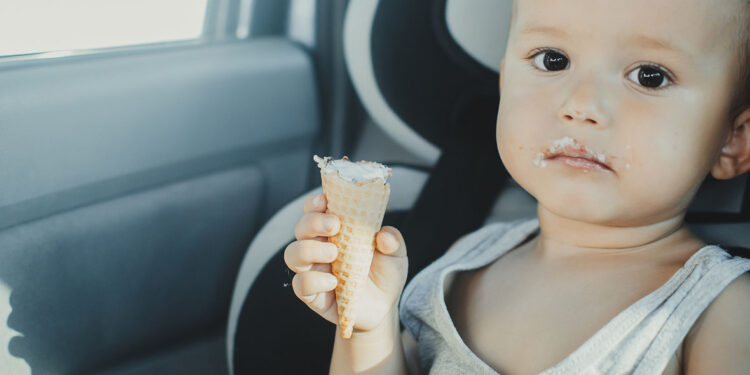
{"points": [[480, 28], [414, 64], [431, 96]]}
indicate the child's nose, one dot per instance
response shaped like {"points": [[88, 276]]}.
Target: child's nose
{"points": [[577, 115], [583, 106]]}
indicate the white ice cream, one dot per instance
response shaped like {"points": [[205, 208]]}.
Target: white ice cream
{"points": [[353, 172], [539, 160], [562, 143]]}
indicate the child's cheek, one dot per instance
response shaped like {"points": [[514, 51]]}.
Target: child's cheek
{"points": [[661, 178], [516, 149], [505, 143]]}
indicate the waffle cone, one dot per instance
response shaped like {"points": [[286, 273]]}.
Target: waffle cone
{"points": [[360, 206]]}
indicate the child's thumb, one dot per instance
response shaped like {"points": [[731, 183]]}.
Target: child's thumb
{"points": [[389, 241]]}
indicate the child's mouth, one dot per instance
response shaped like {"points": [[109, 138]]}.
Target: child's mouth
{"points": [[573, 154], [581, 162]]}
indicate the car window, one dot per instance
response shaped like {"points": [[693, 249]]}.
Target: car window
{"points": [[38, 26]]}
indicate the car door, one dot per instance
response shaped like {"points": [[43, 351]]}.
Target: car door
{"points": [[134, 174]]}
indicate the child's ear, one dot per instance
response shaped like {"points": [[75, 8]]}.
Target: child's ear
{"points": [[735, 155]]}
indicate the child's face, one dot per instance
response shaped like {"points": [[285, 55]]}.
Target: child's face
{"points": [[643, 85]]}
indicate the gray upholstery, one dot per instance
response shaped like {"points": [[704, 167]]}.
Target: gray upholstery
{"points": [[358, 58], [131, 185], [92, 127], [204, 356], [732, 234], [115, 280]]}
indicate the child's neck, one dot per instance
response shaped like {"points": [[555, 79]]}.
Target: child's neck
{"points": [[562, 237]]}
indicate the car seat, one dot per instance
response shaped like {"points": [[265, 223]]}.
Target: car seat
{"points": [[427, 74]]}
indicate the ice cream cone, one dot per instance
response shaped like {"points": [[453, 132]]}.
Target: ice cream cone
{"points": [[360, 205]]}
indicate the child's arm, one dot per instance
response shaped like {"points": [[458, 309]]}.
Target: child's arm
{"points": [[378, 351], [366, 353], [719, 342], [375, 345]]}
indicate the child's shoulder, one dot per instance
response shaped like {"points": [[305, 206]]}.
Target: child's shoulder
{"points": [[719, 340]]}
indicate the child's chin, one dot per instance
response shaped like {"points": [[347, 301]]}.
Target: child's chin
{"points": [[585, 208]]}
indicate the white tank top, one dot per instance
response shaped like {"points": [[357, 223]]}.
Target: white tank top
{"points": [[639, 340]]}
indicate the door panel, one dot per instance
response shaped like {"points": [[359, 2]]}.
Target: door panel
{"points": [[132, 184], [76, 131]]}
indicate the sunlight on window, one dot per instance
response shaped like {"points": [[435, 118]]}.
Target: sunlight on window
{"points": [[30, 26]]}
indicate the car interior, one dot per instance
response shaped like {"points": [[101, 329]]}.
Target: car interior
{"points": [[149, 190]]}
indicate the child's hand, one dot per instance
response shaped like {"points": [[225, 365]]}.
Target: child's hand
{"points": [[310, 257]]}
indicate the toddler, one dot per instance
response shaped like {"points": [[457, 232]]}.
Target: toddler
{"points": [[611, 115]]}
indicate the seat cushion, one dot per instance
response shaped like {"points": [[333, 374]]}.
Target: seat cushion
{"points": [[203, 356], [125, 278]]}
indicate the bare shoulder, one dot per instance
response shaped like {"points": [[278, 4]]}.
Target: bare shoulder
{"points": [[411, 353], [719, 341]]}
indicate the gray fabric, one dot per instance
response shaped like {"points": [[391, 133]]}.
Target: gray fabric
{"points": [[513, 203], [200, 357], [725, 234], [81, 129], [639, 340], [118, 280], [723, 196]]}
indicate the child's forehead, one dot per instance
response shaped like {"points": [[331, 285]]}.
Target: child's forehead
{"points": [[697, 26]]}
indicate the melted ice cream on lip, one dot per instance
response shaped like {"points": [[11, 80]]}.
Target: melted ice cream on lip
{"points": [[351, 171], [569, 147]]}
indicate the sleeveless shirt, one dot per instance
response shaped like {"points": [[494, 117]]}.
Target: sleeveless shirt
{"points": [[639, 340]]}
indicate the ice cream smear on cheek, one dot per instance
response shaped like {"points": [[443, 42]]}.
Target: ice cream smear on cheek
{"points": [[568, 147], [627, 148], [351, 171]]}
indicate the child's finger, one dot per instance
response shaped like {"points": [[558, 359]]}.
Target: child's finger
{"points": [[315, 224], [307, 285], [325, 305], [315, 203], [299, 256], [389, 241]]}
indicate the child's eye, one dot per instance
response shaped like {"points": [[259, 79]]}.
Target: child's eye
{"points": [[549, 60], [651, 77]]}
